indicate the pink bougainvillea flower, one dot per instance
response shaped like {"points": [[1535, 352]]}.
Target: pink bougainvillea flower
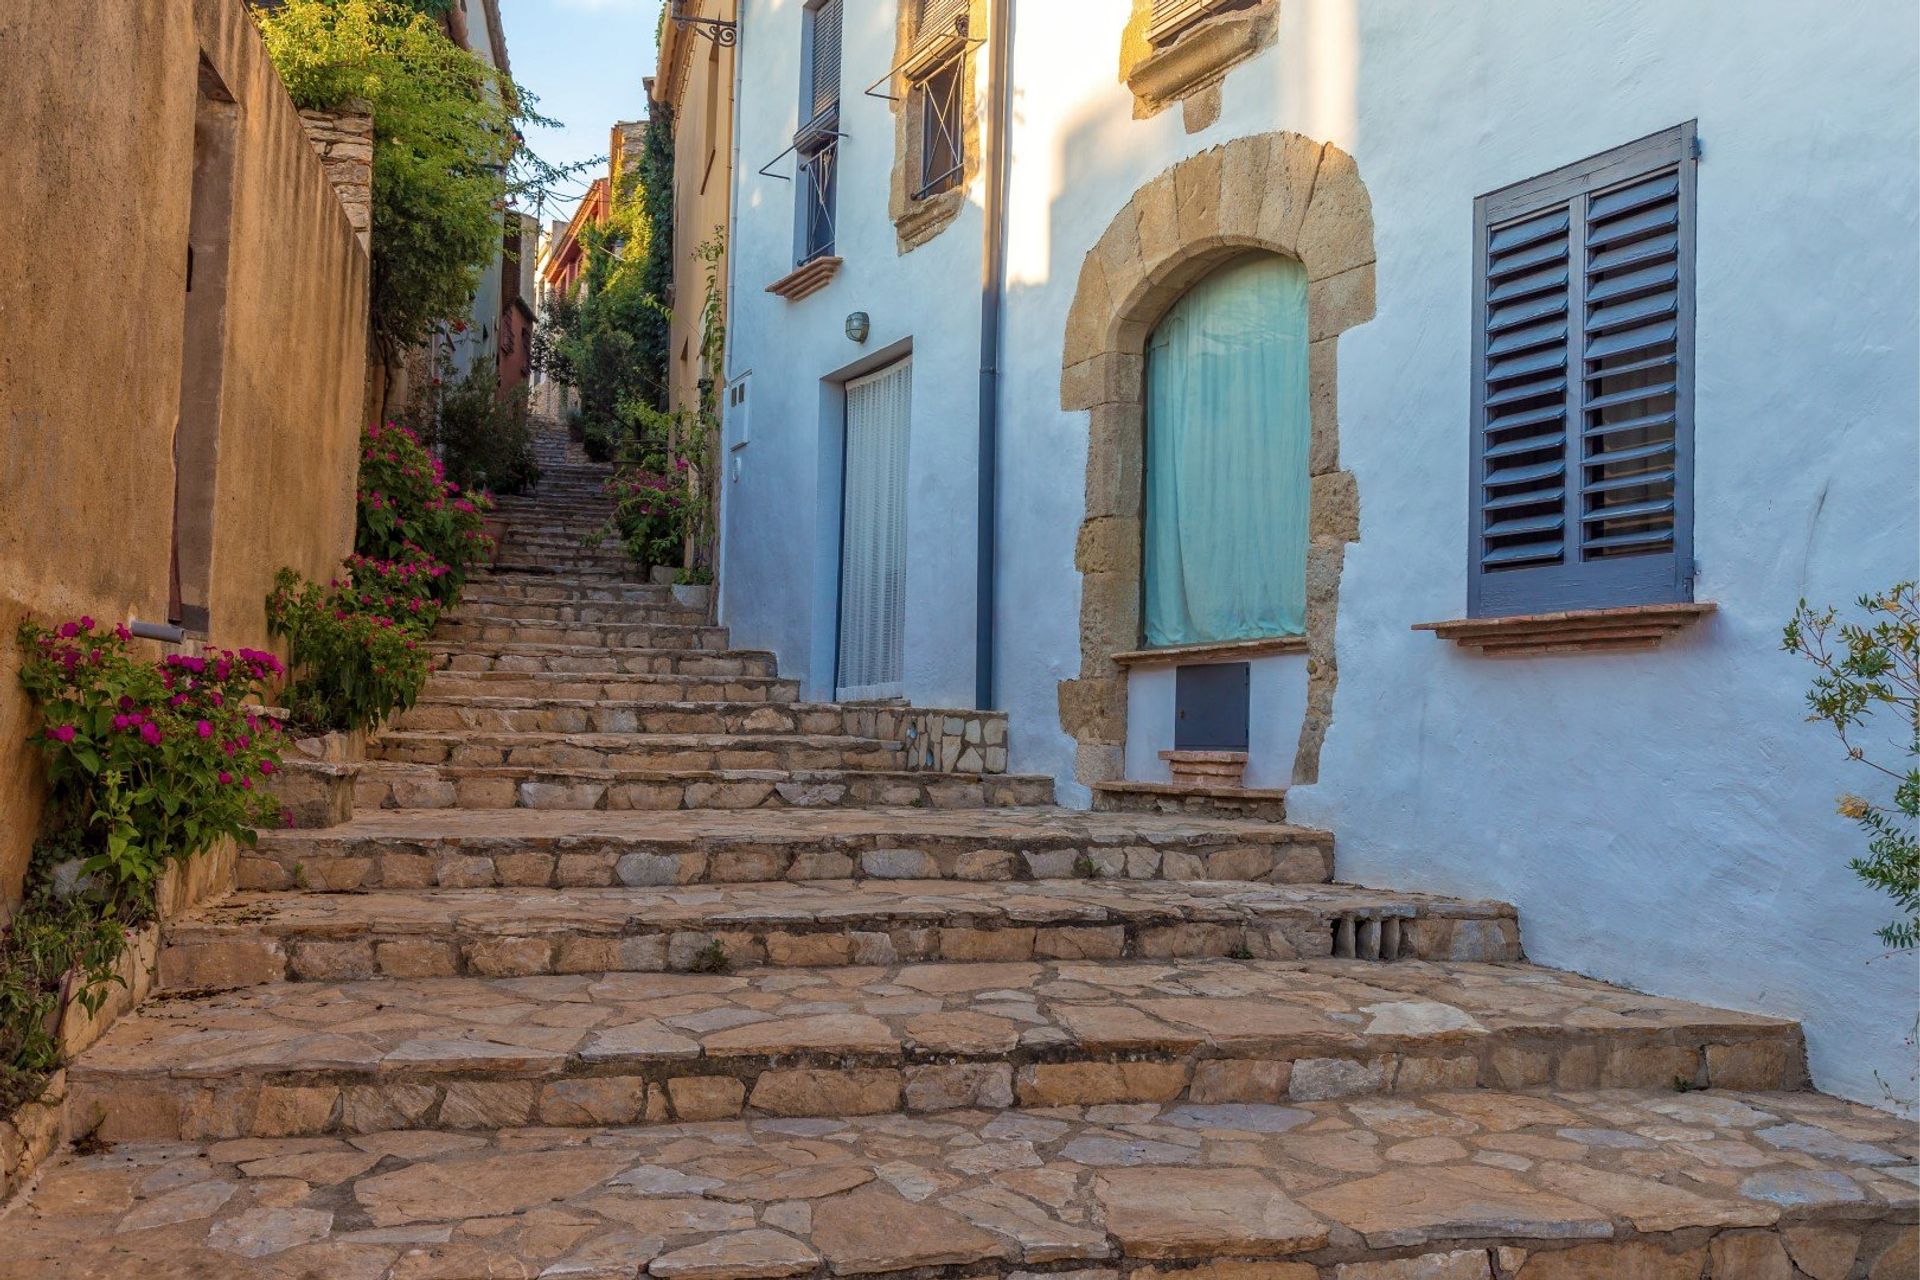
{"points": [[266, 768], [225, 777], [68, 630], [150, 734], [203, 728], [62, 733], [86, 623]]}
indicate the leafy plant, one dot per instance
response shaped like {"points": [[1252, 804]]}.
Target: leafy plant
{"points": [[446, 151], [149, 762], [56, 944], [608, 341], [406, 590], [410, 511], [651, 510], [1868, 666], [353, 665], [485, 440]]}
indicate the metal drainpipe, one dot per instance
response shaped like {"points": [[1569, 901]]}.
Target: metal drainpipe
{"points": [[993, 285]]}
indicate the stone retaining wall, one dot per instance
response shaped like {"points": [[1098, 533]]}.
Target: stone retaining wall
{"points": [[938, 739]]}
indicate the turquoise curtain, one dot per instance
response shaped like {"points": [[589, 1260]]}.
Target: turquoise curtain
{"points": [[1227, 428]]}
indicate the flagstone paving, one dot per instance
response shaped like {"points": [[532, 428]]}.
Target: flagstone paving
{"points": [[783, 1004], [1543, 1186]]}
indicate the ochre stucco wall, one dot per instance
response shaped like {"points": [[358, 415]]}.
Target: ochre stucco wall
{"points": [[703, 183], [95, 200]]}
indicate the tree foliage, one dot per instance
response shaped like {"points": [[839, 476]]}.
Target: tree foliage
{"points": [[1867, 667], [608, 341], [446, 143]]}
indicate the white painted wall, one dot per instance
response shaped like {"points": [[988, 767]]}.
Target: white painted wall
{"points": [[1662, 819], [781, 513], [1276, 704]]}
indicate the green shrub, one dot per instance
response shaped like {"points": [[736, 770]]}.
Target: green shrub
{"points": [[405, 590], [411, 512], [58, 929], [149, 762], [650, 512], [353, 665], [1867, 666], [485, 440]]}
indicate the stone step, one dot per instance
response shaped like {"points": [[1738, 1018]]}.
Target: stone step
{"points": [[748, 720], [643, 752], [383, 784], [298, 1058], [1482, 1185], [533, 587], [495, 610], [408, 849], [477, 631], [624, 687], [599, 573], [498, 933], [470, 656]]}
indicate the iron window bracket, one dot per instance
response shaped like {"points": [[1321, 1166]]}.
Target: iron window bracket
{"points": [[765, 170], [917, 55], [719, 30]]}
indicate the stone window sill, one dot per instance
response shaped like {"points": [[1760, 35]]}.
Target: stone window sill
{"points": [[1216, 651], [1200, 55], [927, 217], [807, 278], [1621, 628]]}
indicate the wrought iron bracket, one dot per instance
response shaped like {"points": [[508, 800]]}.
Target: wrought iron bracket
{"points": [[719, 30], [968, 43], [766, 170]]}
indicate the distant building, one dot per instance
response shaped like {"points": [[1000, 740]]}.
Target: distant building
{"points": [[518, 296], [566, 259]]}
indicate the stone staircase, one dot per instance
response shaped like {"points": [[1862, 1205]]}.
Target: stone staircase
{"points": [[632, 963]]}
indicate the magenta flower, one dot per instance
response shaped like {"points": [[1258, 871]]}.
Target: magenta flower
{"points": [[266, 767], [203, 728], [150, 734], [225, 777], [68, 630], [62, 733]]}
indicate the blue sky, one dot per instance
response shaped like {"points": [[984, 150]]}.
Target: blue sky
{"points": [[585, 60]]}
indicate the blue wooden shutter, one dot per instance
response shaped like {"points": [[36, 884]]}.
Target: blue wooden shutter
{"points": [[1583, 385], [823, 72]]}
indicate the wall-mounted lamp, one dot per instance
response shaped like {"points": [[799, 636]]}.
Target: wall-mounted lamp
{"points": [[858, 326]]}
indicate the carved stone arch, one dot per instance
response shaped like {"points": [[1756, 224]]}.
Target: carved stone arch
{"points": [[1277, 192]]}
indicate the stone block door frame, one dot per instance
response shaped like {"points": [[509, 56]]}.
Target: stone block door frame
{"points": [[1275, 192]]}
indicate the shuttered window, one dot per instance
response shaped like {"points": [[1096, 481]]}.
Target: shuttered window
{"points": [[1583, 384], [935, 20], [1170, 17], [823, 59], [816, 142]]}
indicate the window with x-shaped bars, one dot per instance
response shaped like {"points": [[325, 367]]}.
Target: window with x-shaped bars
{"points": [[943, 148], [817, 179]]}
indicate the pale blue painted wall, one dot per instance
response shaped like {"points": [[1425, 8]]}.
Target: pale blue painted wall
{"points": [[1663, 820]]}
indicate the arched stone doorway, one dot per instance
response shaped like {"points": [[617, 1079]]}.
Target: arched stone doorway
{"points": [[1278, 192]]}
